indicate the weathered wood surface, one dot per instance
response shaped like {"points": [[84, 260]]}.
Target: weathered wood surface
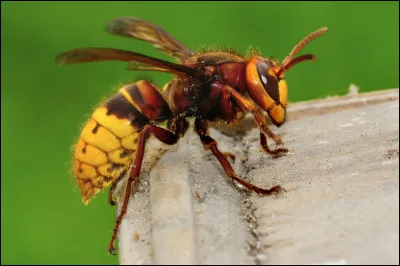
{"points": [[342, 204]]}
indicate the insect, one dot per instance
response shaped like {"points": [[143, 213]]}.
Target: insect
{"points": [[215, 85]]}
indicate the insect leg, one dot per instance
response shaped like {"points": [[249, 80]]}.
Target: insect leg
{"points": [[226, 108], [201, 128], [161, 134], [262, 124], [229, 155], [112, 188], [259, 118]]}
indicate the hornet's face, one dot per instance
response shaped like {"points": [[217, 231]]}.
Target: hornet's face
{"points": [[266, 88], [265, 81]]}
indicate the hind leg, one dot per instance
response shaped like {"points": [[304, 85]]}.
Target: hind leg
{"points": [[163, 135]]}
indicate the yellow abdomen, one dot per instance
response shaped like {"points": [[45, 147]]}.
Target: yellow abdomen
{"points": [[105, 151], [107, 145]]}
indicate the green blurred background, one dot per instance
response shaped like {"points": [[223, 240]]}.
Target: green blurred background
{"points": [[43, 220]]}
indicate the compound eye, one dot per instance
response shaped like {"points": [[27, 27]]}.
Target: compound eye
{"points": [[269, 82]]}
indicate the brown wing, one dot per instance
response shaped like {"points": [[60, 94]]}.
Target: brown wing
{"points": [[143, 62], [140, 66], [146, 31]]}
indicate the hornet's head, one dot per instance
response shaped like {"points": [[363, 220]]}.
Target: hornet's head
{"points": [[265, 79]]}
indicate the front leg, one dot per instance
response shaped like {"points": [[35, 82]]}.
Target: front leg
{"points": [[262, 124], [248, 106], [201, 129]]}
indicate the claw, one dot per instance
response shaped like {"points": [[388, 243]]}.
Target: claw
{"points": [[277, 152], [229, 155], [275, 190], [277, 140], [111, 250], [112, 202]]}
